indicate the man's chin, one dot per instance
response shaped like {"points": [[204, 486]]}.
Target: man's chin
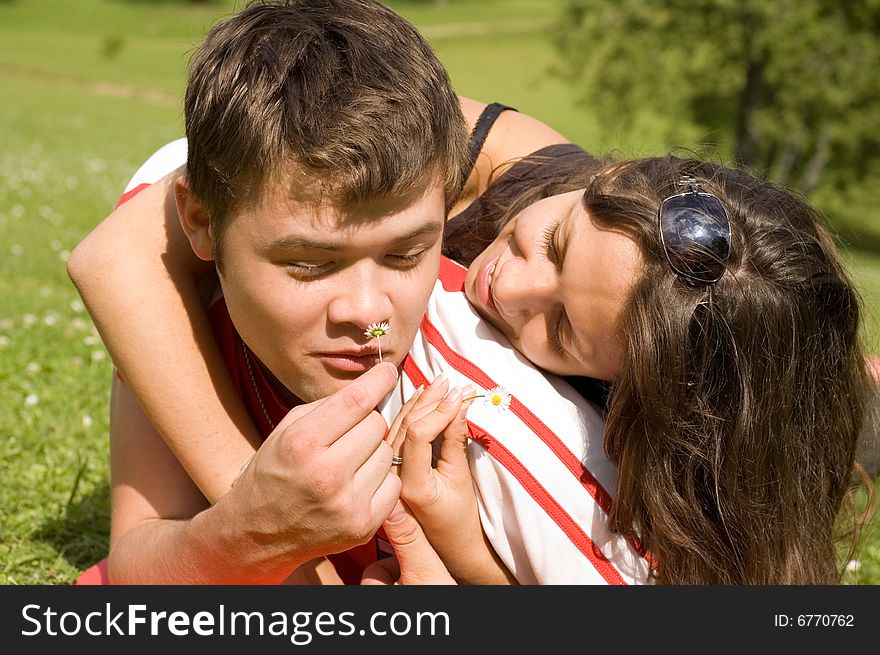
{"points": [[327, 384]]}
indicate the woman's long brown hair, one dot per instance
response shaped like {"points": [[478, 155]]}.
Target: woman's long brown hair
{"points": [[735, 417]]}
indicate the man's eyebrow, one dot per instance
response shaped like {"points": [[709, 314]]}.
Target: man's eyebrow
{"points": [[294, 242], [426, 228], [302, 243]]}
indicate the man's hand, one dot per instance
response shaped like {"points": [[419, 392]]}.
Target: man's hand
{"points": [[321, 483], [414, 562]]}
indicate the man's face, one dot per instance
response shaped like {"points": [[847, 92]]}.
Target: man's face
{"points": [[303, 282]]}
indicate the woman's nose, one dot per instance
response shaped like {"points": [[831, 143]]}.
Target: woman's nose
{"points": [[522, 287]]}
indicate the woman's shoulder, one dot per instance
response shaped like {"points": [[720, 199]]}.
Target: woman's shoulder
{"points": [[511, 136], [545, 164], [514, 133]]}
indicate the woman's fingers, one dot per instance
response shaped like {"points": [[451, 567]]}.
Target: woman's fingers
{"points": [[453, 449], [386, 571], [426, 401], [417, 473], [394, 430]]}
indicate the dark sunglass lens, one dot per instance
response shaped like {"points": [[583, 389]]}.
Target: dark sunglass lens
{"points": [[696, 235]]}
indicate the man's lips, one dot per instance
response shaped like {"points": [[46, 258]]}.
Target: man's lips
{"points": [[355, 360], [348, 362], [365, 351]]}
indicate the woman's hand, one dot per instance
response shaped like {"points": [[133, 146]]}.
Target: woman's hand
{"points": [[442, 498]]}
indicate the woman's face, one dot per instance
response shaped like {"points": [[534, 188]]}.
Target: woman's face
{"points": [[554, 284]]}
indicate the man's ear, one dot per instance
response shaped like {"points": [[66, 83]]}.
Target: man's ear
{"points": [[194, 219]]}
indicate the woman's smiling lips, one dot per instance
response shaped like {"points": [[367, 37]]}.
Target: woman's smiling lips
{"points": [[483, 286]]}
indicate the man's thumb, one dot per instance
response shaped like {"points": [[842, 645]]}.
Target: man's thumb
{"points": [[419, 562]]}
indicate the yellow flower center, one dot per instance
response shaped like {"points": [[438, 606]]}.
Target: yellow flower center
{"points": [[497, 400]]}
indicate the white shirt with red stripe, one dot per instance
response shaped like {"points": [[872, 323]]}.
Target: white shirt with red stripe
{"points": [[540, 472]]}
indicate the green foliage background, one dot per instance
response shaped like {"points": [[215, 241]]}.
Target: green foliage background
{"points": [[787, 87], [90, 88]]}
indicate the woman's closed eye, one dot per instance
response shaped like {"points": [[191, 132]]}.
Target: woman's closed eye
{"points": [[549, 246], [555, 334], [554, 253]]}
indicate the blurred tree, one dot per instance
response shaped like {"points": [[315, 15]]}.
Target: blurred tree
{"points": [[792, 84]]}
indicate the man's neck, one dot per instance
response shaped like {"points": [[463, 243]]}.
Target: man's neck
{"points": [[286, 395]]}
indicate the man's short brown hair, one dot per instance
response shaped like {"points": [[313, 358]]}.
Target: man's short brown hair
{"points": [[340, 99]]}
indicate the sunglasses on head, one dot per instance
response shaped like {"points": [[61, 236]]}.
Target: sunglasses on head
{"points": [[695, 233]]}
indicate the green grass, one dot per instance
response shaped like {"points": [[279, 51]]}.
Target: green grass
{"points": [[90, 89]]}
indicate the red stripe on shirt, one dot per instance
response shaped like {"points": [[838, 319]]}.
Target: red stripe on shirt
{"points": [[452, 275], [128, 195], [545, 500]]}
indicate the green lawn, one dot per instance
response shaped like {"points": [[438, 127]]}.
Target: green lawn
{"points": [[90, 88]]}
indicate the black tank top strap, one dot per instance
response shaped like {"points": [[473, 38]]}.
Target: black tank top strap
{"points": [[481, 130]]}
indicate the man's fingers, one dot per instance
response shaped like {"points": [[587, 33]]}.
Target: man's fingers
{"points": [[341, 411], [369, 476], [385, 497], [352, 450], [298, 412]]}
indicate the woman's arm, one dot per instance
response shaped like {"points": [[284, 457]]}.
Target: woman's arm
{"points": [[154, 537], [139, 279]]}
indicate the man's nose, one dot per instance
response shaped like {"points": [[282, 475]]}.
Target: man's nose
{"points": [[361, 298]]}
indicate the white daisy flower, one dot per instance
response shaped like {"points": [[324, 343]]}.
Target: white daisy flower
{"points": [[497, 399], [377, 330]]}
